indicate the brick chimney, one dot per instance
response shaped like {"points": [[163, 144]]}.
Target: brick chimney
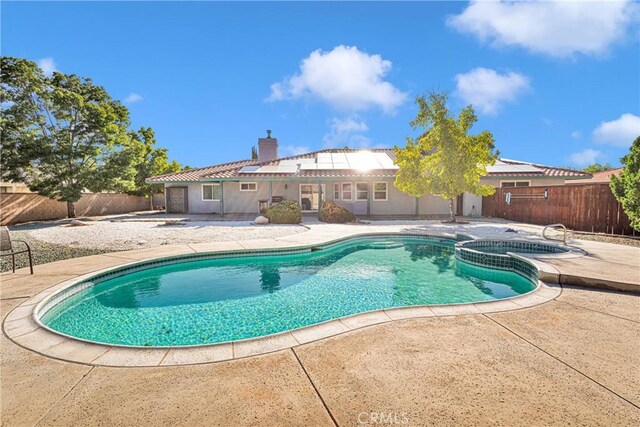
{"points": [[267, 148]]}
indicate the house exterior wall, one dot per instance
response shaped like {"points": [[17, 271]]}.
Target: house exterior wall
{"points": [[471, 204], [236, 201], [397, 203], [194, 195], [433, 205]]}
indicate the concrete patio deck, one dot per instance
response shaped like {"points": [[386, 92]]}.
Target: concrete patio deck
{"points": [[571, 360]]}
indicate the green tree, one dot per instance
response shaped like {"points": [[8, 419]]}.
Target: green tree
{"points": [[626, 187], [254, 153], [444, 159], [61, 134], [149, 161], [597, 167]]}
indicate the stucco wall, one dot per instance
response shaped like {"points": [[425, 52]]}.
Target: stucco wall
{"points": [[397, 203], [470, 201], [24, 207]]}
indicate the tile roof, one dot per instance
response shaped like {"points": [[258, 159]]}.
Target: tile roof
{"points": [[199, 173], [544, 170], [602, 177], [231, 170]]}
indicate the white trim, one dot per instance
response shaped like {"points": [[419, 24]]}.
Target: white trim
{"points": [[318, 188], [367, 192], [514, 181], [339, 190], [386, 191], [249, 184], [202, 192], [342, 191]]}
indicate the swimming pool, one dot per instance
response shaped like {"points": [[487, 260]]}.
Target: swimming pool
{"points": [[213, 299]]}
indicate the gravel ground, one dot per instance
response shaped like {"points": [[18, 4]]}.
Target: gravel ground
{"points": [[44, 252], [608, 238], [137, 235], [56, 240]]}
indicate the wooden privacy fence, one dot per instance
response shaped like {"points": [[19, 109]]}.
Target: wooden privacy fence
{"points": [[581, 207], [23, 207]]}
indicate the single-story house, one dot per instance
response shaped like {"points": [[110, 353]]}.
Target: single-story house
{"points": [[360, 180]]}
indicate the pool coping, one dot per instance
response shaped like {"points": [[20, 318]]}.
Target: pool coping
{"points": [[22, 326]]}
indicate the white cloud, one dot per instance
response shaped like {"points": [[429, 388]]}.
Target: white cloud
{"points": [[294, 150], [345, 78], [555, 27], [133, 97], [584, 157], [47, 65], [620, 132], [576, 134], [487, 90], [347, 132]]}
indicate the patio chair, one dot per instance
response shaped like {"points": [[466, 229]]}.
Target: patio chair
{"points": [[7, 249]]}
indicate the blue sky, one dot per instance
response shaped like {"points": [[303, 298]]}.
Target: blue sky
{"points": [[555, 83]]}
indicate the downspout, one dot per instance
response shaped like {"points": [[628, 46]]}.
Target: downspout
{"points": [[369, 191], [319, 197], [222, 198], [166, 206], [417, 207]]}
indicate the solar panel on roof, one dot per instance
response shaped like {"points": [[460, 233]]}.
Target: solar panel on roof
{"points": [[325, 165], [324, 158], [248, 169], [363, 160], [510, 168], [385, 161], [296, 161]]}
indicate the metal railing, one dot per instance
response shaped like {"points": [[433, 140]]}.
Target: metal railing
{"points": [[564, 239]]}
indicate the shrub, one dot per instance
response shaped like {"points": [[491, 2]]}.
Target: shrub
{"points": [[626, 187], [332, 213], [285, 212]]}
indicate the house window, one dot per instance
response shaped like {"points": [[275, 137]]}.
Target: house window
{"points": [[211, 192], [508, 184], [248, 186], [362, 191], [380, 191], [336, 191], [347, 191]]}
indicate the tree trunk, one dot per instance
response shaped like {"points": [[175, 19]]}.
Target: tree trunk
{"points": [[151, 202], [71, 209], [452, 211]]}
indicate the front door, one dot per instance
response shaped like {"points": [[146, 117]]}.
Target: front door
{"points": [[310, 197], [177, 200]]}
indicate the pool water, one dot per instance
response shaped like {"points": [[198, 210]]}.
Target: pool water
{"points": [[223, 299]]}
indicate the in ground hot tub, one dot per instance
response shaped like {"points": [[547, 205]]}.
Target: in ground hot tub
{"points": [[494, 246]]}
